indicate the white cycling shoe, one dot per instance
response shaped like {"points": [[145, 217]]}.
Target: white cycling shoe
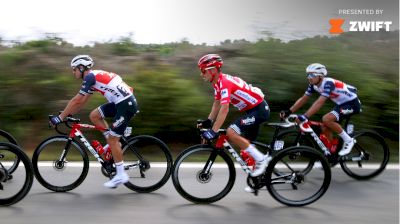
{"points": [[117, 180], [248, 189], [260, 166], [347, 147]]}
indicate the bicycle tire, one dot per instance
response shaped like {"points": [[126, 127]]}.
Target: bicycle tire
{"points": [[372, 146], [28, 176], [191, 163], [291, 177], [294, 137], [48, 153], [7, 136], [155, 163]]}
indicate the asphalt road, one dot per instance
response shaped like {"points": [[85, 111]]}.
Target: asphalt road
{"points": [[347, 201]]}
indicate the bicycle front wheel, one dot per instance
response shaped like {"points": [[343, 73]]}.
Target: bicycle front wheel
{"points": [[368, 157], [202, 174], [14, 187], [289, 182], [60, 163], [148, 163]]}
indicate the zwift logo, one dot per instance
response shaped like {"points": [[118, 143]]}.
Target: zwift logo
{"points": [[359, 26]]}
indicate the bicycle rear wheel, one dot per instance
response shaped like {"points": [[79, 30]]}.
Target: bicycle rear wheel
{"points": [[148, 163], [368, 157], [60, 164], [7, 137], [202, 174], [294, 137], [287, 181], [15, 187]]}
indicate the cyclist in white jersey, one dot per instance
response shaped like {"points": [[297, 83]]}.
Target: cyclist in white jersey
{"points": [[122, 106], [342, 94]]}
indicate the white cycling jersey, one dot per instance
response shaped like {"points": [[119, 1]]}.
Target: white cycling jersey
{"points": [[109, 84], [338, 91]]}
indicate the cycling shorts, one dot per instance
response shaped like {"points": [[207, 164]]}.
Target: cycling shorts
{"points": [[347, 109], [248, 125], [122, 113]]}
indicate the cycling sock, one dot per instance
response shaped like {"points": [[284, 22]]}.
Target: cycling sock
{"points": [[120, 167], [253, 151], [345, 136]]}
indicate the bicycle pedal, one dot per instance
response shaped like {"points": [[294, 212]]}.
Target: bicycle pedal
{"points": [[255, 192]]}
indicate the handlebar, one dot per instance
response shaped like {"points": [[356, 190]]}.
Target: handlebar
{"points": [[67, 122]]}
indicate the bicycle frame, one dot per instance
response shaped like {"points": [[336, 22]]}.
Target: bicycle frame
{"points": [[222, 142], [305, 127], [76, 132]]}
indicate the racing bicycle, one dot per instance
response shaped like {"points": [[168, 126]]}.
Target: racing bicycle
{"points": [[367, 159], [147, 159], [205, 173]]}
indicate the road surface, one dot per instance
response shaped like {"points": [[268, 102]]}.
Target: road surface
{"points": [[347, 200]]}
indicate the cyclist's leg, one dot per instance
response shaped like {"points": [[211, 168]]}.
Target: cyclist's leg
{"points": [[98, 115], [340, 112], [250, 123], [125, 111], [330, 124]]}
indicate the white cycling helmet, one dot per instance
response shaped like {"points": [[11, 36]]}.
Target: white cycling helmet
{"points": [[84, 60], [317, 68]]}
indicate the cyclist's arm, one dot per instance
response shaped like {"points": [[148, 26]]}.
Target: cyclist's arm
{"points": [[299, 103], [222, 113], [214, 110], [316, 106], [75, 104]]}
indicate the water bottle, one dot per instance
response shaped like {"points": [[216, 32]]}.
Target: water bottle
{"points": [[107, 155], [331, 145], [334, 143], [247, 157], [97, 146], [104, 152]]}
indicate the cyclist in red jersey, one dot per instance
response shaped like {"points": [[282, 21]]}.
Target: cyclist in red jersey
{"points": [[122, 106], [246, 98]]}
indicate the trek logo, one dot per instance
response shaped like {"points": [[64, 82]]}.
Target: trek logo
{"points": [[359, 26]]}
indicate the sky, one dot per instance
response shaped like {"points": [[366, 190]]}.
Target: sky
{"points": [[84, 22]]}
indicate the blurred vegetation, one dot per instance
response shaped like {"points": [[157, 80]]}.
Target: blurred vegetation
{"points": [[36, 80]]}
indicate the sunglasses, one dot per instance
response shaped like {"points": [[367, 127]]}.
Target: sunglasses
{"points": [[312, 75], [203, 70]]}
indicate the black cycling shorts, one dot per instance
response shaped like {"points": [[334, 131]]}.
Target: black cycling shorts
{"points": [[121, 112], [248, 125], [346, 109]]}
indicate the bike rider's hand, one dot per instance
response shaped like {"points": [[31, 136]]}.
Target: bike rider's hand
{"points": [[205, 123], [302, 118], [209, 134], [285, 113], [54, 120]]}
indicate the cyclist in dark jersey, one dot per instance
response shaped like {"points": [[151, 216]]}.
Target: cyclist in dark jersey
{"points": [[122, 106]]}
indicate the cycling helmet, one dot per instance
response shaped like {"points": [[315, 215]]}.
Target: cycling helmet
{"points": [[317, 69], [210, 60], [84, 60]]}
